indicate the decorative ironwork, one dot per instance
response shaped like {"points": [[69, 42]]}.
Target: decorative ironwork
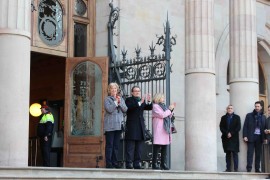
{"points": [[50, 22], [80, 7], [33, 7], [114, 15], [167, 43]]}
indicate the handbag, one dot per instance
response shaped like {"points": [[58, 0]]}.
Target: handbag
{"points": [[173, 128], [123, 126], [148, 135]]}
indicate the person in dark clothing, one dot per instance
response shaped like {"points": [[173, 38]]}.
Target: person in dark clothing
{"points": [[230, 126], [253, 135], [114, 106], [44, 131], [267, 133], [135, 127]]}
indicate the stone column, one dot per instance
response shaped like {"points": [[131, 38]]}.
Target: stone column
{"points": [[15, 80], [200, 113], [244, 90]]}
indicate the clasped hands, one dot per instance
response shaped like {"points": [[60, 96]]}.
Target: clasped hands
{"points": [[147, 97], [172, 106]]}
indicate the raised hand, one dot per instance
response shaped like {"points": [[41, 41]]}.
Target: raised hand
{"points": [[172, 106], [148, 97], [142, 100], [118, 98]]}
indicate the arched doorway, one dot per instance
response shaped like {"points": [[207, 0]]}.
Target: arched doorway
{"points": [[264, 72]]}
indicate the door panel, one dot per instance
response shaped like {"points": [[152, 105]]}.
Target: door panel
{"points": [[85, 89]]}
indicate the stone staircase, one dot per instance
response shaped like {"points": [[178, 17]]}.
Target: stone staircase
{"points": [[100, 173]]}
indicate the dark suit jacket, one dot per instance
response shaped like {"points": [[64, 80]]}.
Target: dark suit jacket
{"points": [[250, 125], [230, 144], [267, 126], [135, 125]]}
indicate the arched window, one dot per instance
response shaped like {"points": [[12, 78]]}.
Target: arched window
{"points": [[50, 22]]}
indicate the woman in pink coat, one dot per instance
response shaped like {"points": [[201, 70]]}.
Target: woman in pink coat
{"points": [[161, 130]]}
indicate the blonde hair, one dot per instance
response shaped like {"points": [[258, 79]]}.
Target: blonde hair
{"points": [[112, 85], [157, 97]]}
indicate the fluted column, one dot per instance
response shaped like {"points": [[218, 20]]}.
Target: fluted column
{"points": [[200, 88], [14, 79], [244, 90]]}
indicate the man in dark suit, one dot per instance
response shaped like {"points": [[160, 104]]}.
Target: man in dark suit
{"points": [[135, 127], [230, 126], [253, 134]]}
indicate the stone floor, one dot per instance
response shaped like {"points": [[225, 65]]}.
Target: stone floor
{"points": [[100, 173]]}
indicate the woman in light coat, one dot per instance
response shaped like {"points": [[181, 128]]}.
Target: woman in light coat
{"points": [[161, 130], [114, 106]]}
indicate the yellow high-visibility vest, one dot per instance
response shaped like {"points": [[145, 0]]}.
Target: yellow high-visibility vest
{"points": [[46, 117]]}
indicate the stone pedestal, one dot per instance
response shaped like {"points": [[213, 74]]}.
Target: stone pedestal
{"points": [[15, 81]]}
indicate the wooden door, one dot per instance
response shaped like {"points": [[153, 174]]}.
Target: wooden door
{"points": [[85, 89], [265, 103]]}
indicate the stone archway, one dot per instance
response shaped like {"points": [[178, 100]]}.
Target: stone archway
{"points": [[264, 59]]}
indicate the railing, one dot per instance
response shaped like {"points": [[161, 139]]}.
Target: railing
{"points": [[33, 151]]}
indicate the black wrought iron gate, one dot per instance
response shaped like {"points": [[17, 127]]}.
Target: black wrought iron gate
{"points": [[151, 73]]}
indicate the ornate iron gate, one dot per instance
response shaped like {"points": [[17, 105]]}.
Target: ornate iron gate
{"points": [[151, 73]]}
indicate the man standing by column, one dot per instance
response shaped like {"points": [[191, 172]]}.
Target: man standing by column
{"points": [[253, 134], [230, 126]]}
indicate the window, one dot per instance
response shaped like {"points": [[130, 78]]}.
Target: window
{"points": [[50, 22]]}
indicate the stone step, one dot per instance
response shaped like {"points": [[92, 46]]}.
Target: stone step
{"points": [[100, 173]]}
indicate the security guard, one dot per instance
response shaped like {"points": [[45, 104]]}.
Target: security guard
{"points": [[44, 131]]}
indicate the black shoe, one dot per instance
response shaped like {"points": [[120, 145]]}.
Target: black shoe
{"points": [[109, 166], [129, 166], [248, 170], [227, 170], [268, 177], [164, 167], [257, 171], [155, 166], [235, 170], [117, 166], [138, 167]]}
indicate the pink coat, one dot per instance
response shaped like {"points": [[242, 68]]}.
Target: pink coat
{"points": [[161, 137]]}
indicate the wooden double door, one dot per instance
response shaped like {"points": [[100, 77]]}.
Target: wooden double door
{"points": [[85, 88]]}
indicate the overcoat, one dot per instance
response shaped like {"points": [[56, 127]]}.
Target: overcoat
{"points": [[135, 123], [114, 114], [230, 144], [161, 137], [267, 126], [250, 125]]}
